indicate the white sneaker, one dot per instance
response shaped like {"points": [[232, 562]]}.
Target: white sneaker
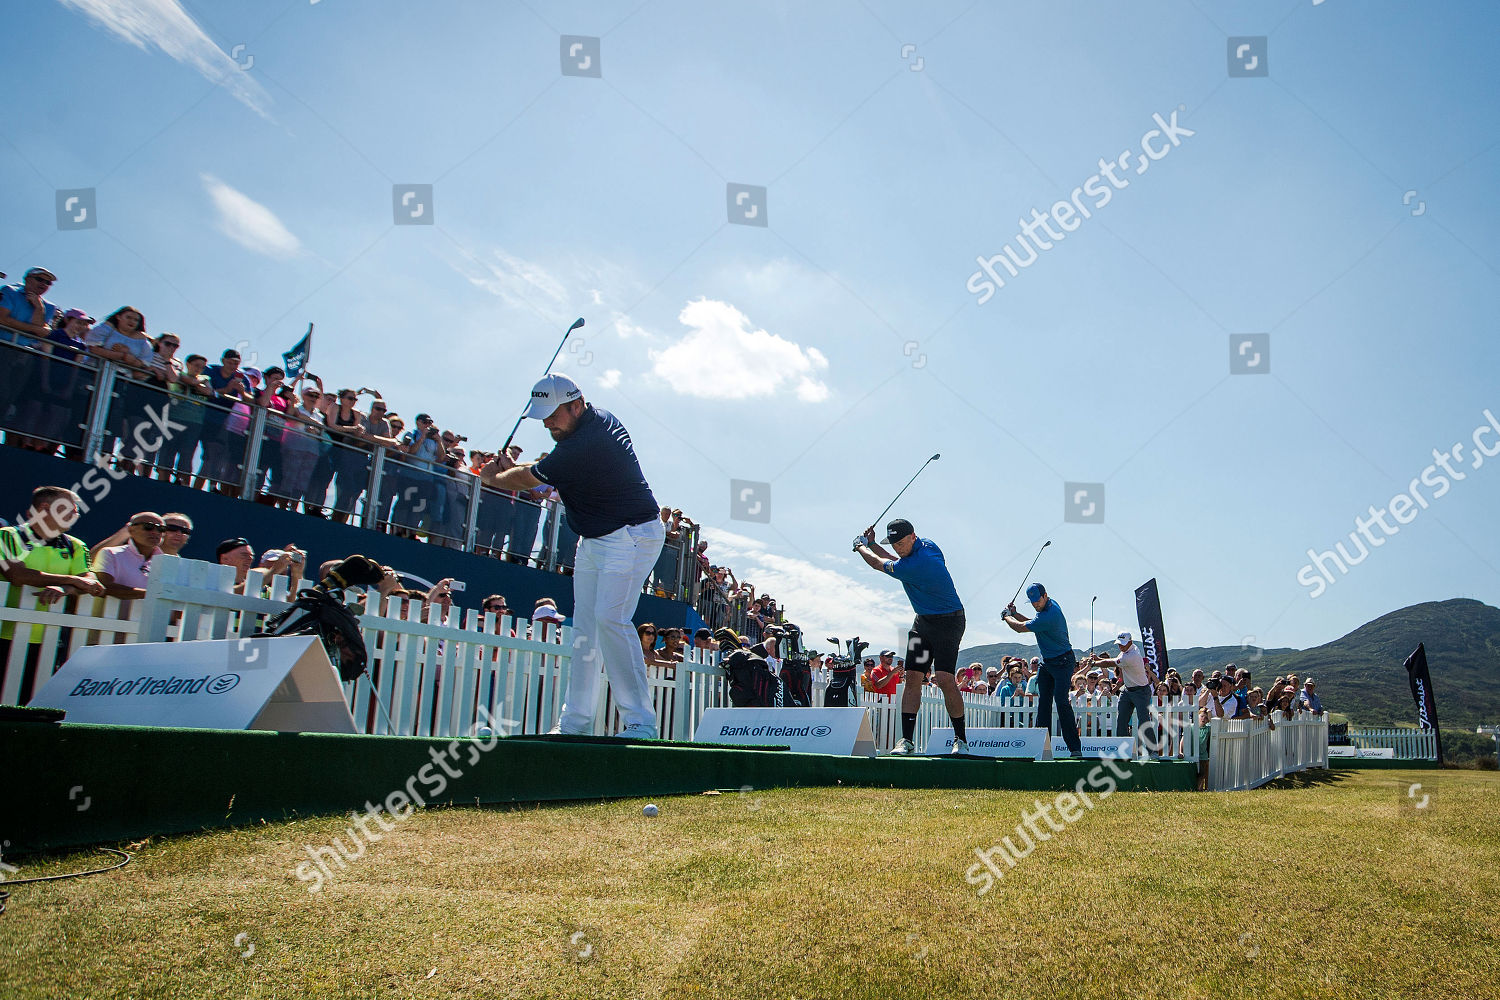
{"points": [[638, 732], [960, 746], [903, 748]]}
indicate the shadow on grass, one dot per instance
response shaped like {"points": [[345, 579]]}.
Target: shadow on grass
{"points": [[1311, 778]]}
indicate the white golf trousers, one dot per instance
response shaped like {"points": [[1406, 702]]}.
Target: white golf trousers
{"points": [[608, 573]]}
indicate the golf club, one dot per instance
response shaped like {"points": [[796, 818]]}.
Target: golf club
{"points": [[913, 479], [1028, 571], [1091, 623], [576, 324]]}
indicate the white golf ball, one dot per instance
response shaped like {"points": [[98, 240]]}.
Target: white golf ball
{"points": [[484, 732], [651, 810]]}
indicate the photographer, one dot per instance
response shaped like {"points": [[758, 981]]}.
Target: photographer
{"points": [[422, 501]]}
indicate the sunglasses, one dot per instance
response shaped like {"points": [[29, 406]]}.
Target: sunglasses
{"points": [[149, 525], [176, 529], [495, 607], [171, 343], [648, 631], [44, 282]]}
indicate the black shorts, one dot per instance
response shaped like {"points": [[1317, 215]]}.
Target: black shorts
{"points": [[932, 643]]}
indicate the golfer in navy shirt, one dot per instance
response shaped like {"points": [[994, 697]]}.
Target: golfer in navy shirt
{"points": [[932, 643], [1055, 678], [609, 505]]}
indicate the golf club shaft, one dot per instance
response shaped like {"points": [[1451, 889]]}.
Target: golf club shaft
{"points": [[1028, 571], [512, 436], [913, 479]]}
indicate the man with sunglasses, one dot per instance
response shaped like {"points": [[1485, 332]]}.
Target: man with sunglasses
{"points": [[123, 568], [22, 308]]}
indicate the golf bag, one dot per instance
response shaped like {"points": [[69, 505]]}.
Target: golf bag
{"points": [[840, 687], [751, 683], [322, 612], [796, 682]]}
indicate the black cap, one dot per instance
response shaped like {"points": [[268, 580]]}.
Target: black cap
{"points": [[898, 529]]}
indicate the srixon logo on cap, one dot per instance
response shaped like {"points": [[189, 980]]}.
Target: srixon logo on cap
{"points": [[539, 394]]}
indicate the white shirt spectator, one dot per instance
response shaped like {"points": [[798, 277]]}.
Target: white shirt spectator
{"points": [[124, 564]]}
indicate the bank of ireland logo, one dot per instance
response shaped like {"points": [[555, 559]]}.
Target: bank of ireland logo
{"points": [[821, 731], [223, 683]]}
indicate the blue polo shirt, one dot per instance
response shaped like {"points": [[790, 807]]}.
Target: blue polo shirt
{"points": [[1051, 631], [595, 472], [13, 298], [924, 576]]}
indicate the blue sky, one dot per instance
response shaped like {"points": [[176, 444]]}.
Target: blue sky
{"points": [[831, 351]]}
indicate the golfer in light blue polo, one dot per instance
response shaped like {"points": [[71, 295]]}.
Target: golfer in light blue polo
{"points": [[610, 507], [1055, 678]]}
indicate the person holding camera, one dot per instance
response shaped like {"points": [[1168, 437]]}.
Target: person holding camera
{"points": [[937, 631]]}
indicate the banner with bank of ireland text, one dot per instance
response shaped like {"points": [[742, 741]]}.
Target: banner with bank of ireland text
{"points": [[1153, 635]]}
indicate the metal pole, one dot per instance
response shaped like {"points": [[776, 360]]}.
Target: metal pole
{"points": [[252, 452], [104, 388], [1091, 623], [471, 521], [372, 491]]}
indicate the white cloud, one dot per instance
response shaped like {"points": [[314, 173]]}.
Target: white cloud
{"points": [[610, 379], [516, 280], [165, 25], [594, 295], [248, 222], [628, 328], [820, 600], [721, 341]]}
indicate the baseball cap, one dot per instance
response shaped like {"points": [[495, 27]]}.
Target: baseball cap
{"points": [[1123, 637], [40, 272], [77, 314], [548, 613], [229, 545], [1035, 592], [550, 392], [898, 529]]}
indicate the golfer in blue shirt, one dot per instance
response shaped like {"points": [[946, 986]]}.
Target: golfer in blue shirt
{"points": [[932, 643], [1055, 678], [609, 506]]}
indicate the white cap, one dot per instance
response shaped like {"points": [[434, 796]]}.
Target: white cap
{"points": [[550, 393], [547, 612], [1122, 638]]}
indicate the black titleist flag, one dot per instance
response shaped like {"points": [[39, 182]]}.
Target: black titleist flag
{"points": [[1421, 693], [1153, 635]]}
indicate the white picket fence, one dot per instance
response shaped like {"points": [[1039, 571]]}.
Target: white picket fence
{"points": [[1409, 744], [1247, 753], [443, 679], [1176, 720]]}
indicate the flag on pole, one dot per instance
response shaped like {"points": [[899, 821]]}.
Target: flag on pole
{"points": [[1153, 634], [1422, 694], [296, 358]]}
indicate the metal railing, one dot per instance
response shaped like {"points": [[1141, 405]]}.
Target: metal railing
{"points": [[114, 418]]}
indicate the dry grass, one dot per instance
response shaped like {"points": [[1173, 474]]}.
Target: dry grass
{"points": [[1341, 887]]}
